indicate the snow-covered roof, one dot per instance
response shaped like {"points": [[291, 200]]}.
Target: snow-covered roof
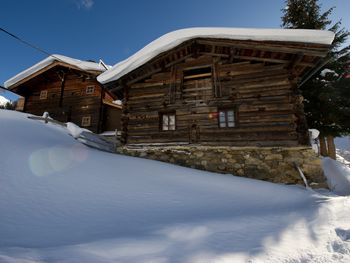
{"points": [[175, 38], [80, 64]]}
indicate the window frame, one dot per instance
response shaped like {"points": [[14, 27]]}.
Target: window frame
{"points": [[206, 75], [226, 115], [43, 94], [196, 77], [90, 89], [86, 121], [161, 121]]}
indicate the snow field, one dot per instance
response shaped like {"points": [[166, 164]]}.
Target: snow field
{"points": [[61, 201]]}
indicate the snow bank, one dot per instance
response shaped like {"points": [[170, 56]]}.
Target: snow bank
{"points": [[74, 129], [83, 65], [338, 176], [342, 143], [61, 201], [175, 38]]}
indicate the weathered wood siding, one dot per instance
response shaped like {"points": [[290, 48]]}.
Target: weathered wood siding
{"points": [[111, 118], [261, 94], [74, 104]]}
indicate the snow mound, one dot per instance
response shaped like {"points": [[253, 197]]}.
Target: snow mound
{"points": [[74, 129], [175, 38], [61, 201], [81, 64], [338, 176]]}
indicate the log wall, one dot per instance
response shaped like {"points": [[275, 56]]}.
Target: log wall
{"points": [[72, 106], [262, 95]]}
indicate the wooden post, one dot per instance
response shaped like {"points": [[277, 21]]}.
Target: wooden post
{"points": [[302, 129], [331, 147], [323, 146], [125, 116], [63, 78]]}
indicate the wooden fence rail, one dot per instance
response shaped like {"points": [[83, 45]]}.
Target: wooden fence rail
{"points": [[88, 138]]}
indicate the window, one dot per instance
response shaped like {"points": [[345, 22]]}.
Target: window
{"points": [[197, 84], [227, 118], [168, 122], [86, 121], [90, 89], [197, 73], [43, 95]]}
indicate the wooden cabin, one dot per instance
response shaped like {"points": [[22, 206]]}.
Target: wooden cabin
{"points": [[218, 87], [222, 99], [67, 89]]}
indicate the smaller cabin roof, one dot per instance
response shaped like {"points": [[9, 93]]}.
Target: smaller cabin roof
{"points": [[175, 38], [51, 60]]}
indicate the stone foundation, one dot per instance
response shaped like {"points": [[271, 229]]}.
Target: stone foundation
{"points": [[264, 163]]}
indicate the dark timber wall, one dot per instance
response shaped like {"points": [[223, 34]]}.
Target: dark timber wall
{"points": [[67, 99], [262, 97], [202, 77]]}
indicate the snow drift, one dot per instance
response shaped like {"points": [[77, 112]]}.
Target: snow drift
{"points": [[61, 201]]}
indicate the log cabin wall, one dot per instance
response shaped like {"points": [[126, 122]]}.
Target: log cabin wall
{"points": [[68, 96], [111, 118], [213, 93]]}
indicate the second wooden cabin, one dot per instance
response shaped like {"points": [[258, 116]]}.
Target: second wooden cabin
{"points": [[67, 88]]}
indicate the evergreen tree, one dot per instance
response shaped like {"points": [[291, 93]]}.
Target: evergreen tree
{"points": [[8, 106], [326, 94]]}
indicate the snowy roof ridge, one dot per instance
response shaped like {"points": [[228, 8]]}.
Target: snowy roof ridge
{"points": [[81, 64], [175, 38]]}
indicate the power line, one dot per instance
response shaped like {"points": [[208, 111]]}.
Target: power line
{"points": [[25, 42], [28, 44]]}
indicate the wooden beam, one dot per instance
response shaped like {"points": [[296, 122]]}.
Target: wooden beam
{"points": [[259, 45], [272, 60]]}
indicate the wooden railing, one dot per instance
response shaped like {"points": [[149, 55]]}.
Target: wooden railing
{"points": [[86, 137], [47, 120]]}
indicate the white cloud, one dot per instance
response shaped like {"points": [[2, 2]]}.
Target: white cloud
{"points": [[85, 4]]}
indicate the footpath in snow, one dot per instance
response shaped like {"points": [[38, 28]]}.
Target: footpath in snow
{"points": [[61, 201]]}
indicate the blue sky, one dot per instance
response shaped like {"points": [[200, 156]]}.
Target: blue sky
{"points": [[114, 30]]}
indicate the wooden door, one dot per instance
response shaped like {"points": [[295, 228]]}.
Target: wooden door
{"points": [[194, 133]]}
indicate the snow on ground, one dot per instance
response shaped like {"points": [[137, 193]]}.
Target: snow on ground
{"points": [[338, 176], [338, 172], [343, 149], [61, 201]]}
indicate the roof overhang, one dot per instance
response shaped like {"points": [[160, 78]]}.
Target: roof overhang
{"points": [[50, 62], [175, 38]]}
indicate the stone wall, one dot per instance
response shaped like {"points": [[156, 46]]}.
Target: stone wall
{"points": [[270, 164]]}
